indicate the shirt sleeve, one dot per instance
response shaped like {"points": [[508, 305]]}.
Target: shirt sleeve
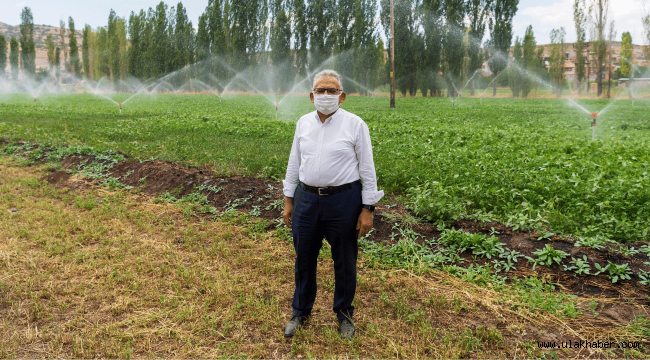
{"points": [[363, 147], [290, 181]]}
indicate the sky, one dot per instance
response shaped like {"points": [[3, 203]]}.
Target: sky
{"points": [[543, 15]]}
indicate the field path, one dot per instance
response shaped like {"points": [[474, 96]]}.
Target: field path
{"points": [[96, 273]]}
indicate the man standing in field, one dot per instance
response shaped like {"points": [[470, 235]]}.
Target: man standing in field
{"points": [[330, 191]]}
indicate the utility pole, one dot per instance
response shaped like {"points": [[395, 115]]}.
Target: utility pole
{"points": [[392, 56]]}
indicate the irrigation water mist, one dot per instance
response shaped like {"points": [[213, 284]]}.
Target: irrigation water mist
{"points": [[215, 77]]}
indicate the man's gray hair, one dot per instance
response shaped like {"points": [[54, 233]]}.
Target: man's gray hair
{"points": [[328, 73]]}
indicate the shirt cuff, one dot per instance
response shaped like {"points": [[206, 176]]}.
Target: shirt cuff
{"points": [[371, 197], [289, 188]]}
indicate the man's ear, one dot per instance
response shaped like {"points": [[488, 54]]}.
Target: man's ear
{"points": [[342, 97], [311, 96]]}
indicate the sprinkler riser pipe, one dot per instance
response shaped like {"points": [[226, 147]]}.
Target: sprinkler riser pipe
{"points": [[593, 133]]}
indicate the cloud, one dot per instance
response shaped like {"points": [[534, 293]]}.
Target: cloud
{"points": [[555, 14]]}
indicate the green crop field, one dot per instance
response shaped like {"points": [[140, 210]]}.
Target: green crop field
{"points": [[528, 163]]}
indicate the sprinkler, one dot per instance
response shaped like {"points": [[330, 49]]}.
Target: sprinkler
{"points": [[453, 104], [593, 125], [276, 110], [120, 104], [34, 98]]}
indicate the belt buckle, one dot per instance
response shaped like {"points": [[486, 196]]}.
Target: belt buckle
{"points": [[319, 189]]}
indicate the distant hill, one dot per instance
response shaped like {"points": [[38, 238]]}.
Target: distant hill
{"points": [[40, 34]]}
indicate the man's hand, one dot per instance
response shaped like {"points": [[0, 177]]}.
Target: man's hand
{"points": [[364, 224], [287, 215]]}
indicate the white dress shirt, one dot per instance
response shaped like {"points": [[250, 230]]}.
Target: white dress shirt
{"points": [[332, 153]]}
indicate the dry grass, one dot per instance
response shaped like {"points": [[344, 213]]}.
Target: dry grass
{"points": [[111, 274]]}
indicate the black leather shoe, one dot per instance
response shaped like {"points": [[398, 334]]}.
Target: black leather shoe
{"points": [[346, 329], [293, 325]]}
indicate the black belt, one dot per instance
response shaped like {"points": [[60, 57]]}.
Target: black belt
{"points": [[330, 189]]}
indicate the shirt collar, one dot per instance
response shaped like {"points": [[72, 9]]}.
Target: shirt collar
{"points": [[329, 119]]}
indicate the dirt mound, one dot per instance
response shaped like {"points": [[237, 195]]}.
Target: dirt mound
{"points": [[159, 177], [56, 177]]}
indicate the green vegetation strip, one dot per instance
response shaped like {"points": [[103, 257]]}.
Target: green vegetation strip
{"points": [[528, 163]]}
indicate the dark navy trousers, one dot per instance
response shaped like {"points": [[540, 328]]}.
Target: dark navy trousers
{"points": [[335, 218]]}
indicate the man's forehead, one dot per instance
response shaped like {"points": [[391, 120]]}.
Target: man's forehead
{"points": [[327, 80]]}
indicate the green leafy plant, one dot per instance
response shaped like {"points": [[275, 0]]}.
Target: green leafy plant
{"points": [[645, 277], [592, 307], [114, 183], [547, 256], [166, 197], [488, 248], [276, 204], [595, 242], [580, 266], [255, 211], [195, 199], [614, 272], [628, 251], [211, 188], [505, 265], [510, 256]]}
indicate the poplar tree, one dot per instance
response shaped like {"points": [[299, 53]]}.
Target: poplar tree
{"points": [[320, 15], [247, 34], [73, 65], [160, 43], [3, 55], [62, 36], [184, 39], [14, 55], [610, 59], [57, 57], [300, 33], [627, 55], [122, 49], [85, 51], [500, 25], [598, 13], [343, 37], [368, 57], [557, 60], [280, 42], [202, 38], [27, 46], [531, 61], [406, 32], [477, 13], [138, 44], [217, 28], [515, 75], [104, 65], [111, 44], [147, 56], [580, 20], [51, 47], [454, 51], [433, 33]]}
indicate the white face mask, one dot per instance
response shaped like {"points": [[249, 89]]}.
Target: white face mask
{"points": [[326, 104]]}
